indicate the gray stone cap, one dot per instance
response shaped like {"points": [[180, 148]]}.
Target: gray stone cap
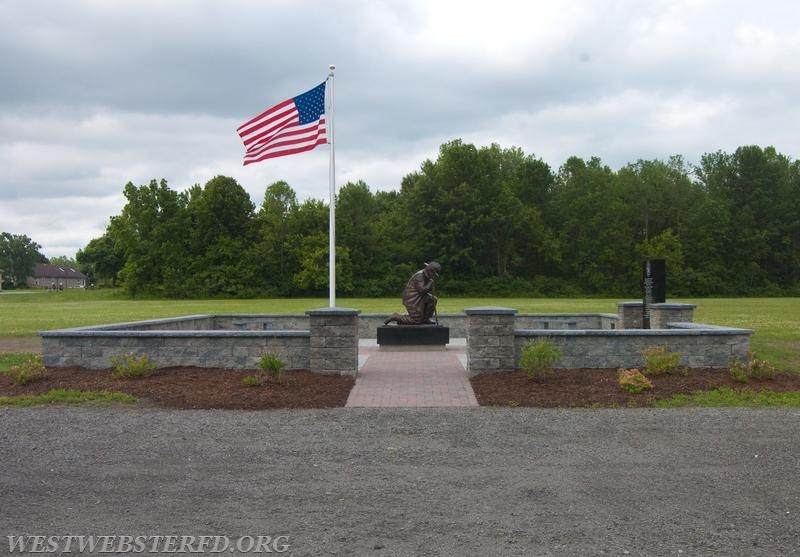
{"points": [[568, 315], [257, 315], [490, 310], [696, 330], [704, 326], [548, 315], [333, 311], [388, 313], [86, 332], [663, 305], [144, 323]]}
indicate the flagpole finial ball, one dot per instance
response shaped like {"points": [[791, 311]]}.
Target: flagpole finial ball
{"points": [[332, 67]]}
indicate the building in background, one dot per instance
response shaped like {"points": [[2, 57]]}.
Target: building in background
{"points": [[56, 277]]}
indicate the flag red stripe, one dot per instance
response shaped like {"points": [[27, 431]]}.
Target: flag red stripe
{"points": [[278, 119], [296, 134], [292, 120], [267, 112], [284, 152], [288, 146]]}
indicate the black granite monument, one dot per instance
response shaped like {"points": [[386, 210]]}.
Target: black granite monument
{"points": [[654, 286]]}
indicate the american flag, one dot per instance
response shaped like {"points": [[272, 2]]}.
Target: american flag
{"points": [[290, 127]]}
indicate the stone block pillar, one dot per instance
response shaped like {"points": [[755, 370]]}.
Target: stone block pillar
{"points": [[334, 341], [661, 314], [630, 314], [490, 339]]}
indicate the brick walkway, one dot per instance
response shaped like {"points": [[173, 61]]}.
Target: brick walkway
{"points": [[412, 379]]}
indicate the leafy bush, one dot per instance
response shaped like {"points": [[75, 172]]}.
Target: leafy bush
{"points": [[753, 368], [272, 366], [253, 380], [657, 361], [29, 370], [633, 381], [538, 359], [128, 366]]}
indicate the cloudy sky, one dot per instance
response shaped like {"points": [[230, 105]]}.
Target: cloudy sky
{"points": [[97, 93]]}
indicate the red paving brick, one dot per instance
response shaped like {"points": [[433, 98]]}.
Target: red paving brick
{"points": [[412, 379]]}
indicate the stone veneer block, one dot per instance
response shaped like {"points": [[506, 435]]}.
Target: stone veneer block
{"points": [[630, 315], [334, 340], [490, 339], [661, 314]]}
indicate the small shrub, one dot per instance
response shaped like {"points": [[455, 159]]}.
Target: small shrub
{"points": [[657, 361], [128, 366], [31, 369], [272, 366], [253, 380], [538, 359], [753, 368], [633, 381]]}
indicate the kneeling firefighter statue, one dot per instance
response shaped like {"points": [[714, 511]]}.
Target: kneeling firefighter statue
{"points": [[418, 298]]}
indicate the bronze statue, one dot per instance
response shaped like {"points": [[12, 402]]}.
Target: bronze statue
{"points": [[418, 297]]}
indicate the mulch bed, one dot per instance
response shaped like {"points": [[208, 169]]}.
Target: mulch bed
{"points": [[600, 387], [191, 387]]}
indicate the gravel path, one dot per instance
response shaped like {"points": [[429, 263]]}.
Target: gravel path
{"points": [[378, 482]]}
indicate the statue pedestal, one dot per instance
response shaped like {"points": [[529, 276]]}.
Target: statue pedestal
{"points": [[413, 337]]}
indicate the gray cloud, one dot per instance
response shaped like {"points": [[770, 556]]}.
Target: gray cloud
{"points": [[96, 94]]}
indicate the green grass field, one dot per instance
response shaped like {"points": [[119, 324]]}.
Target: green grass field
{"points": [[776, 321]]}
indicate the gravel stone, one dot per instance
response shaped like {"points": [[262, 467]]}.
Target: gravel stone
{"points": [[481, 481]]}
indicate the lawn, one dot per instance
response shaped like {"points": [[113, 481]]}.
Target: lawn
{"points": [[776, 321]]}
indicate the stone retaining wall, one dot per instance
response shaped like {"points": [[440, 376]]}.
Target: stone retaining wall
{"points": [[494, 342], [368, 323], [94, 348], [326, 340], [699, 345]]}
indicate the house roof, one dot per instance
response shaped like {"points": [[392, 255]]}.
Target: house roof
{"points": [[43, 270]]}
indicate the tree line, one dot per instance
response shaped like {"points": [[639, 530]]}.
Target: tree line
{"points": [[499, 221]]}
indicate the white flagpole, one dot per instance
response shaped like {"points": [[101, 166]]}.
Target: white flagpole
{"points": [[332, 209]]}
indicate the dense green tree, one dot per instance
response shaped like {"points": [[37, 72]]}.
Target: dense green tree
{"points": [[365, 227], [515, 189], [755, 187], [273, 235], [440, 205], [597, 244], [18, 258], [101, 260], [153, 233], [221, 236], [477, 211], [499, 221], [309, 251]]}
